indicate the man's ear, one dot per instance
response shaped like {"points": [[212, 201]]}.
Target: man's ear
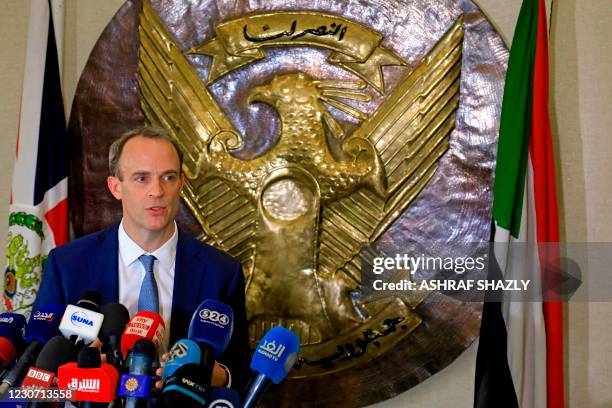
{"points": [[114, 185]]}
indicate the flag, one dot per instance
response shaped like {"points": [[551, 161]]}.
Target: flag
{"points": [[38, 214], [520, 353]]}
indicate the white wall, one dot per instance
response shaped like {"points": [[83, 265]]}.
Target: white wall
{"points": [[581, 73]]}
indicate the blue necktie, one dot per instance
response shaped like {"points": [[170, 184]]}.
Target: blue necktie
{"points": [[148, 299]]}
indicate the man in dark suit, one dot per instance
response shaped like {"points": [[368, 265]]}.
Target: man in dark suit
{"points": [[146, 262]]}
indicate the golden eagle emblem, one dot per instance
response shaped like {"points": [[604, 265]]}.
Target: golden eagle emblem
{"points": [[298, 215]]}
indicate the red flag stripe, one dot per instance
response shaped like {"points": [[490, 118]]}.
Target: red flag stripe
{"points": [[546, 208]]}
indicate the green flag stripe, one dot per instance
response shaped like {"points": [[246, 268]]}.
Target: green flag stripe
{"points": [[515, 122]]}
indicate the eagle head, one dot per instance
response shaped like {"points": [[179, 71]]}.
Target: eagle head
{"points": [[286, 90]]}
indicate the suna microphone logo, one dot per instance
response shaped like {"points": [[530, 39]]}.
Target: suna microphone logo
{"points": [[271, 349], [213, 317], [80, 319]]}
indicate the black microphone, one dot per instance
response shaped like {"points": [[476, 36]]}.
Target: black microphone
{"points": [[135, 386], [90, 300], [116, 317], [43, 375]]}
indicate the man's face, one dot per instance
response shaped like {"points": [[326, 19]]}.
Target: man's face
{"points": [[149, 186]]}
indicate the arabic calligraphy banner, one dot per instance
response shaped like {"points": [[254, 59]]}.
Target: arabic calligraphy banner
{"points": [[356, 47]]}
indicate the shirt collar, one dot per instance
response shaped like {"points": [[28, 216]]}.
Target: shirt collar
{"points": [[130, 251]]}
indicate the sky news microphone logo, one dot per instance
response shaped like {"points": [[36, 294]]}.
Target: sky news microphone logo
{"points": [[80, 319], [43, 316], [271, 350], [214, 317]]}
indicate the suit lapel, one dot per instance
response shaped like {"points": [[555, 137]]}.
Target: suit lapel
{"points": [[188, 274], [104, 266]]}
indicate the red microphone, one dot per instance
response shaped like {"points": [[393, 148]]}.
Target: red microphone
{"points": [[144, 325], [38, 378], [89, 379]]}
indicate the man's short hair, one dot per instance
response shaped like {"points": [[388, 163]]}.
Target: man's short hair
{"points": [[114, 153]]}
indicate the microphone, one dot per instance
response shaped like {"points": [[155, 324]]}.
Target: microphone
{"points": [[43, 325], [88, 378], [144, 325], [187, 377], [43, 375], [184, 353], [223, 398], [58, 351], [136, 385], [116, 317], [12, 331], [273, 359], [81, 322]]}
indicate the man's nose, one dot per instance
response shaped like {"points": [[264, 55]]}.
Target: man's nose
{"points": [[157, 189]]}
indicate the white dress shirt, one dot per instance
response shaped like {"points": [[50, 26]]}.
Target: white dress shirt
{"points": [[132, 272]]}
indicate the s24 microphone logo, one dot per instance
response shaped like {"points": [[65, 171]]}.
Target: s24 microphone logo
{"points": [[213, 316]]}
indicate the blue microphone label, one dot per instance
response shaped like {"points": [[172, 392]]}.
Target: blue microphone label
{"points": [[134, 386], [214, 317]]}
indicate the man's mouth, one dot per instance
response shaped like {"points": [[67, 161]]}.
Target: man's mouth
{"points": [[156, 210]]}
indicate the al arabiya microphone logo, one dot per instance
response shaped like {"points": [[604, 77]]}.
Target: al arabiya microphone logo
{"points": [[271, 349], [214, 317]]}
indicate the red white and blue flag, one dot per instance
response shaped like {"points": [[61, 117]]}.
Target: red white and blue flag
{"points": [[38, 219]]}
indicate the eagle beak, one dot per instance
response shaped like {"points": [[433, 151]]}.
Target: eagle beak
{"points": [[260, 94]]}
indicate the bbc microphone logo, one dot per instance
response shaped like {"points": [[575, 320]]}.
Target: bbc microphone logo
{"points": [[38, 375]]}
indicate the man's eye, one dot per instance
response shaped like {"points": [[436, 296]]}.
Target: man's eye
{"points": [[169, 177], [140, 179]]}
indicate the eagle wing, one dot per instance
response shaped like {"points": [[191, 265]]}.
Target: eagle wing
{"points": [[174, 97], [411, 131]]}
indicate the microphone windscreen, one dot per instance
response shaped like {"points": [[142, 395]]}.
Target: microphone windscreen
{"points": [[276, 353], [182, 353], [58, 351], [223, 398], [116, 317], [90, 300], [144, 346], [144, 325], [44, 323], [184, 388], [89, 357], [12, 328], [212, 324]]}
